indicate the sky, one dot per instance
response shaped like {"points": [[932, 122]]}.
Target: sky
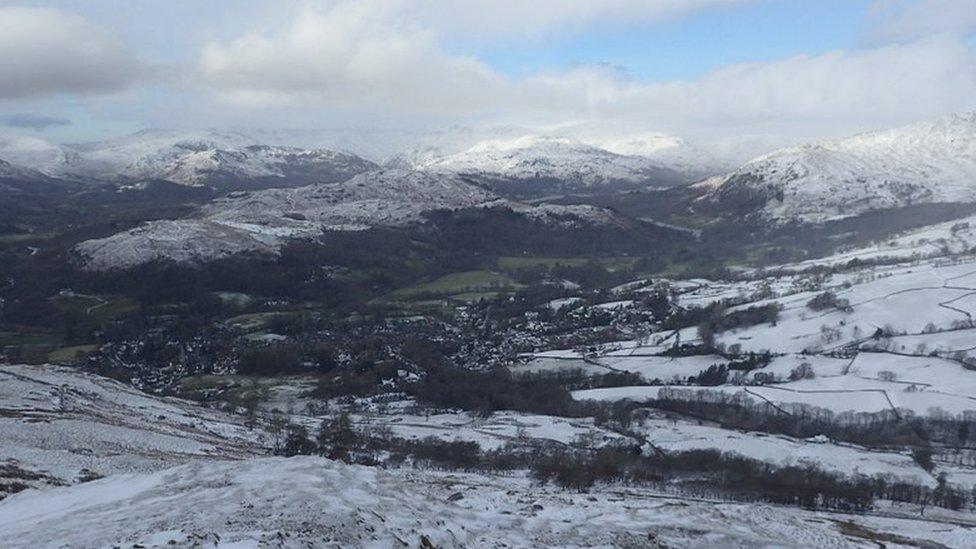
{"points": [[711, 70]]}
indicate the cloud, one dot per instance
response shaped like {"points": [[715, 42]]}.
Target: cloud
{"points": [[38, 122], [909, 20], [886, 84], [373, 56], [387, 55], [47, 51], [509, 19], [354, 55]]}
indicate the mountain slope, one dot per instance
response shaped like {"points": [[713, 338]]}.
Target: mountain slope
{"points": [[16, 180], [922, 163], [34, 153], [224, 159], [263, 221], [668, 151], [547, 158], [212, 157], [61, 424]]}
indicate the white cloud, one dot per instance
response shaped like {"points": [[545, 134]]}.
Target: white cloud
{"points": [[359, 55], [536, 18], [386, 54], [45, 51], [908, 20], [887, 83], [375, 56]]}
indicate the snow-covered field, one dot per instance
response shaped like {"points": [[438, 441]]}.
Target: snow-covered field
{"points": [[314, 502], [494, 432], [680, 436]]}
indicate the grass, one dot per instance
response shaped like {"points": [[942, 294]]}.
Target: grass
{"points": [[516, 263], [253, 321], [471, 297], [235, 389], [67, 355], [235, 299], [98, 308], [28, 338], [460, 283], [24, 237], [205, 382]]}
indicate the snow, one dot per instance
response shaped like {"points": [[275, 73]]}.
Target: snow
{"points": [[547, 157], [188, 157], [922, 163], [262, 221], [314, 502], [906, 298], [662, 367], [568, 302], [493, 432], [848, 460], [61, 421], [615, 305]]}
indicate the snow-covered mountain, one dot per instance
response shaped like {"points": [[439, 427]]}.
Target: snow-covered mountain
{"points": [[208, 157], [544, 157], [263, 221], [10, 171], [37, 154], [922, 163], [233, 158], [16, 179], [668, 151], [184, 157]]}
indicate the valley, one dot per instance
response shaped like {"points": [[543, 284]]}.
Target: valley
{"points": [[459, 352]]}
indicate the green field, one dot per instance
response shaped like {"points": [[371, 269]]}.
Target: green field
{"points": [[14, 238], [237, 389], [67, 355], [251, 322], [28, 338], [515, 263], [462, 283], [98, 308]]}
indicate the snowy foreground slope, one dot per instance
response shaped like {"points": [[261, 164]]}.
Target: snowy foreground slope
{"points": [[922, 163], [62, 425], [314, 502]]}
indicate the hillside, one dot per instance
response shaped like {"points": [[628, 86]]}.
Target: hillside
{"points": [[321, 503], [262, 221], [218, 158], [928, 162], [547, 158], [62, 425]]}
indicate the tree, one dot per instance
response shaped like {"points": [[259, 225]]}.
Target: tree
{"points": [[886, 375], [923, 457], [297, 442], [803, 371], [336, 437]]}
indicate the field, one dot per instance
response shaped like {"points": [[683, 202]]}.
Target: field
{"points": [[515, 263], [463, 286]]}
